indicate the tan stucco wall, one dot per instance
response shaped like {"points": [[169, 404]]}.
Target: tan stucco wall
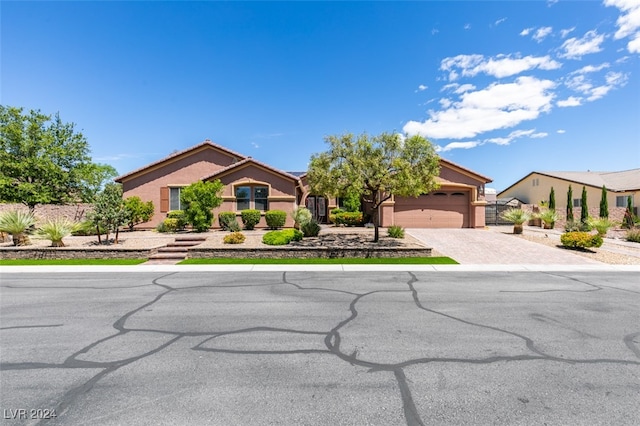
{"points": [[530, 194]]}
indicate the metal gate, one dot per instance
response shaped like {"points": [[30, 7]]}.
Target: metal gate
{"points": [[493, 212]]}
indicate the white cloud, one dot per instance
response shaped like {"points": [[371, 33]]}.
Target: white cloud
{"points": [[255, 145], [500, 21], [628, 22], [571, 101], [517, 134], [435, 31], [591, 68], [576, 48], [499, 66], [457, 145], [564, 33], [496, 107], [421, 88], [467, 26], [526, 32], [581, 84], [561, 131], [551, 2], [542, 33]]}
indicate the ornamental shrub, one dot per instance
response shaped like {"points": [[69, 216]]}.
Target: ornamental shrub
{"points": [[250, 218], [56, 229], [225, 219], [275, 218], [347, 218], [280, 238], [580, 239], [234, 238], [300, 216], [180, 222], [602, 225], [87, 228], [633, 235], [19, 224], [170, 224], [395, 232], [311, 228]]}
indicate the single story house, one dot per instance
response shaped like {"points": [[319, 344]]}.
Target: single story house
{"points": [[249, 183], [535, 187]]}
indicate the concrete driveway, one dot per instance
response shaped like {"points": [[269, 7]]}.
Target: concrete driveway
{"points": [[320, 348], [494, 247]]}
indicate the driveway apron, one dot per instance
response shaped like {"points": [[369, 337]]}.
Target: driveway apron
{"points": [[492, 247]]}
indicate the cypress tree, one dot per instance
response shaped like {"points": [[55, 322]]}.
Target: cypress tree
{"points": [[552, 199], [628, 215], [604, 205], [570, 205], [584, 208]]}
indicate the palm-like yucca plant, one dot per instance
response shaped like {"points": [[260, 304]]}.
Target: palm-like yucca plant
{"points": [[18, 224], [56, 229], [549, 217], [517, 217]]}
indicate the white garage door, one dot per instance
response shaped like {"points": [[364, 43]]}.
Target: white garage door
{"points": [[441, 209]]}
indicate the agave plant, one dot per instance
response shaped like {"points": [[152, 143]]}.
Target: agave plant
{"points": [[18, 224], [56, 229], [517, 217]]}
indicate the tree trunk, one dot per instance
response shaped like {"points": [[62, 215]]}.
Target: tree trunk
{"points": [[98, 232], [57, 243], [21, 239]]}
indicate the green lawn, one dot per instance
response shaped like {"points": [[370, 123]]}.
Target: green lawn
{"points": [[48, 262], [323, 261]]}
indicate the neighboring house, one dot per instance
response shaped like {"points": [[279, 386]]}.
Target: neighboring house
{"points": [[248, 183], [536, 186]]}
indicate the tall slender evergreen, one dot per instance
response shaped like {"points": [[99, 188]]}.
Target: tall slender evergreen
{"points": [[570, 205], [604, 205], [584, 208], [552, 199]]}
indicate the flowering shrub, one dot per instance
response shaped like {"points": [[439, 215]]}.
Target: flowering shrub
{"points": [[580, 240], [234, 238]]}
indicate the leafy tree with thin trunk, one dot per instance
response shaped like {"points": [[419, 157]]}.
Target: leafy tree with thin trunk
{"points": [[584, 208], [137, 211], [604, 204], [109, 211], [375, 168], [45, 161], [198, 200], [570, 205]]}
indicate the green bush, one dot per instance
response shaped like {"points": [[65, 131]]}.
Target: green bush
{"points": [[234, 238], [633, 235], [346, 218], [87, 228], [395, 232], [275, 218], [576, 226], [180, 222], [19, 224], [300, 216], [250, 218], [170, 224], [601, 224], [311, 228], [578, 239], [280, 238], [225, 219]]}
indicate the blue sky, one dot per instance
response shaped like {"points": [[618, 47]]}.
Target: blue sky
{"points": [[503, 87]]}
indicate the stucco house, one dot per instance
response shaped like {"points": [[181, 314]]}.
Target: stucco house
{"points": [[249, 183], [536, 186]]}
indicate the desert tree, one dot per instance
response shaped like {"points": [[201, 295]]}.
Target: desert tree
{"points": [[374, 168]]}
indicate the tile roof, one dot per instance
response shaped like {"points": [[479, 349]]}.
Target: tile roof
{"points": [[206, 142], [249, 160], [626, 180]]}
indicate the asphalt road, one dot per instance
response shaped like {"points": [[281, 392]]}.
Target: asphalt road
{"points": [[328, 348]]}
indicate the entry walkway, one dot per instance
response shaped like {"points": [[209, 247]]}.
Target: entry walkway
{"points": [[494, 247]]}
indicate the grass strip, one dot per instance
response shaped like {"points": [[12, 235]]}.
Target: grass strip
{"points": [[324, 261], [49, 262]]}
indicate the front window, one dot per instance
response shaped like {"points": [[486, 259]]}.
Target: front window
{"points": [[174, 199], [252, 197], [577, 202]]}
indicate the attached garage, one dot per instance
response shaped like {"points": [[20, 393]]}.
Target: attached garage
{"points": [[441, 209]]}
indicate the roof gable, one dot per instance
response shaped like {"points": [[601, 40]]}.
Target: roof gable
{"points": [[250, 162], [206, 144]]}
